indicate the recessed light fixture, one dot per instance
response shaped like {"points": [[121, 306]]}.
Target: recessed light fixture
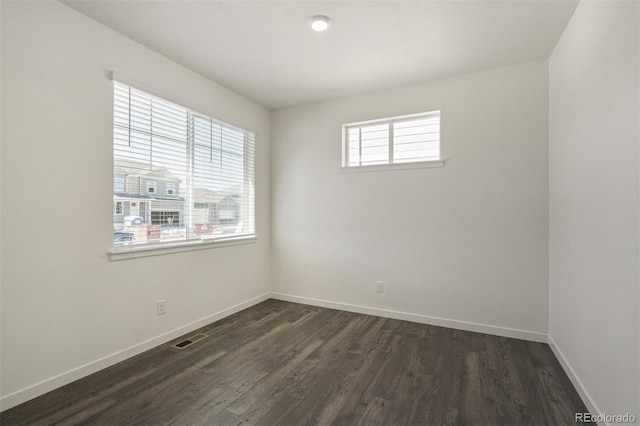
{"points": [[319, 23]]}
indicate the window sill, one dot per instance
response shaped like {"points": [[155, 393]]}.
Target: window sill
{"points": [[132, 252], [399, 166]]}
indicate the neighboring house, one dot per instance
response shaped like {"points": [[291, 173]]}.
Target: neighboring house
{"points": [[216, 207], [152, 193]]}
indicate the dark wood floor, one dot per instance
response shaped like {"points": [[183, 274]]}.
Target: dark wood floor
{"points": [[281, 363]]}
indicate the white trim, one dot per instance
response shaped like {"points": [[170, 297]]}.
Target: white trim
{"points": [[133, 252], [423, 319], [396, 119], [62, 379], [575, 380], [396, 166]]}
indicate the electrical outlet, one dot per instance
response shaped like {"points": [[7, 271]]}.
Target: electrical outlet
{"points": [[162, 307], [379, 287]]}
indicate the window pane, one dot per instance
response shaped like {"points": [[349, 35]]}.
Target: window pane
{"points": [[353, 147], [416, 140], [373, 145]]}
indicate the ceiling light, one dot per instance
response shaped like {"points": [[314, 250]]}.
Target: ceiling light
{"points": [[319, 23]]}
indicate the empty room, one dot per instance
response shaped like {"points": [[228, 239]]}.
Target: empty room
{"points": [[319, 212]]}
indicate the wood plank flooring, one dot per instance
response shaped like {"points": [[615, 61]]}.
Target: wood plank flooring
{"points": [[280, 363]]}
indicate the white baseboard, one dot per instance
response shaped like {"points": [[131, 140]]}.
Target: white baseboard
{"points": [[577, 383], [67, 377], [423, 319]]}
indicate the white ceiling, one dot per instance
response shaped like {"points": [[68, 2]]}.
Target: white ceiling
{"points": [[265, 51]]}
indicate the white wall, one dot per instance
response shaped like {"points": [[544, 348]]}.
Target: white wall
{"points": [[65, 306], [593, 177], [466, 243]]}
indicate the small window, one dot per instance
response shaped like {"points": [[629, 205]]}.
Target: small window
{"points": [[151, 186], [118, 184], [171, 188], [407, 139]]}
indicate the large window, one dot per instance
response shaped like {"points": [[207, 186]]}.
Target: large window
{"points": [[169, 159], [408, 139]]}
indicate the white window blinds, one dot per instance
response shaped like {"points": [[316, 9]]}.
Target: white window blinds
{"points": [[407, 139], [168, 159]]}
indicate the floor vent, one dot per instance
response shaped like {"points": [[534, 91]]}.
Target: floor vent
{"points": [[189, 341]]}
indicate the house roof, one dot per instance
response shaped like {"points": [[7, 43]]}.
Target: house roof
{"points": [[204, 195], [145, 197], [161, 173], [140, 168]]}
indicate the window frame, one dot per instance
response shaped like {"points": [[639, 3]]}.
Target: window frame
{"points": [[391, 145], [118, 208], [152, 186], [190, 241], [119, 183]]}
